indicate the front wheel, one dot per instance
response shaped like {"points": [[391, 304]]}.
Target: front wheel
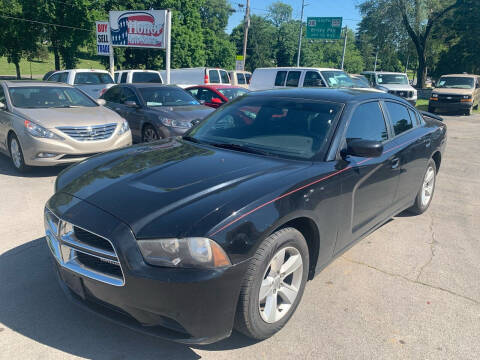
{"points": [[469, 111], [425, 195], [149, 134], [273, 285], [16, 154]]}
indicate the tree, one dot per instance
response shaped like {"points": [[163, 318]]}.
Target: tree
{"points": [[416, 18], [279, 13], [16, 39]]}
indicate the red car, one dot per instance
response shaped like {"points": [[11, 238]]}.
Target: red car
{"points": [[215, 95]]}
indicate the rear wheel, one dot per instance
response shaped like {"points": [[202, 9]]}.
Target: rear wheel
{"points": [[425, 195], [149, 134], [16, 154], [273, 285]]}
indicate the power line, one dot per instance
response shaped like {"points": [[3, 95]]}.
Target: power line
{"points": [[44, 23]]}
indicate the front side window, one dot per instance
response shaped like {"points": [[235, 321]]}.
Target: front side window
{"points": [[456, 82], [123, 78], [313, 79], [337, 79], [400, 117], [128, 95], [145, 77], [367, 123], [116, 77], [166, 96], [290, 128], [214, 77], [241, 79], [280, 78], [42, 97], [54, 77], [224, 76], [92, 78], [206, 95], [63, 77], [398, 79], [113, 95]]}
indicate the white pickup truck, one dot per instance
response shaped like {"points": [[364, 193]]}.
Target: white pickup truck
{"points": [[91, 81]]}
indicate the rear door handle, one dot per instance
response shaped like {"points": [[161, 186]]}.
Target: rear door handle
{"points": [[395, 163]]}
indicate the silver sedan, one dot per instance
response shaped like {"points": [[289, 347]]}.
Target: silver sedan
{"points": [[44, 124]]}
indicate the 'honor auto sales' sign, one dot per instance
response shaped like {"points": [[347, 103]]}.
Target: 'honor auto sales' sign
{"points": [[144, 29]]}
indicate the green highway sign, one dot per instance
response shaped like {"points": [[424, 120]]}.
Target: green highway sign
{"points": [[324, 27]]}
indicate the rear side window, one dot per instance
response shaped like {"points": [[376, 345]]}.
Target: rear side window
{"points": [[92, 78], [54, 77], [367, 123], [113, 95], [400, 117], [313, 79], [123, 78], [293, 78], [214, 77], [280, 78], [241, 79], [225, 78], [63, 77]]}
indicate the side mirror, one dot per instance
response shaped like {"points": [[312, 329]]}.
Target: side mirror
{"points": [[217, 101], [195, 122], [131, 104], [101, 102], [3, 106], [364, 148]]}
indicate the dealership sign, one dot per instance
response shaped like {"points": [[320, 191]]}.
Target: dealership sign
{"points": [[103, 38], [141, 29]]}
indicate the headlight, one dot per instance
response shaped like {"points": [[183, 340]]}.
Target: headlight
{"points": [[40, 132], [176, 123], [467, 96], [186, 253], [123, 128], [434, 95]]}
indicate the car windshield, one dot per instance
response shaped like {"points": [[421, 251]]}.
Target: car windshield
{"points": [[42, 97], [282, 127], [456, 82], [166, 96], [360, 83], [92, 78], [142, 77], [232, 93], [399, 79], [337, 79]]}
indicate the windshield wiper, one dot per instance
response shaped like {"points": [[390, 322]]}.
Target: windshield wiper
{"points": [[239, 147]]}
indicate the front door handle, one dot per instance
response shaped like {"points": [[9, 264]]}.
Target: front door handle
{"points": [[395, 163], [427, 143]]}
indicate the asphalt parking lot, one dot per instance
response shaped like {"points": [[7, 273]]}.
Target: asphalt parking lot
{"points": [[410, 290]]}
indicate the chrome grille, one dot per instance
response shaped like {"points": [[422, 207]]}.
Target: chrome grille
{"points": [[89, 133], [82, 251], [450, 98], [402, 93]]}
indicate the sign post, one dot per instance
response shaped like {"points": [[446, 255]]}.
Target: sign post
{"points": [[324, 27], [168, 48], [239, 63]]}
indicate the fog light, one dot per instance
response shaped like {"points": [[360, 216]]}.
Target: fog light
{"points": [[46, 155]]}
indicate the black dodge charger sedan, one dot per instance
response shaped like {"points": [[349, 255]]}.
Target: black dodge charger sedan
{"points": [[189, 237]]}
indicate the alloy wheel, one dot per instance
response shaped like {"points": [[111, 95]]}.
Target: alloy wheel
{"points": [[428, 185], [280, 285], [16, 153], [149, 134]]}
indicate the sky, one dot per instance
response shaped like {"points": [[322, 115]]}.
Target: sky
{"points": [[319, 8]]}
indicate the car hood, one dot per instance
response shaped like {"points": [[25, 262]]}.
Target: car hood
{"points": [[187, 113], [450, 91], [79, 116], [164, 188], [397, 87]]}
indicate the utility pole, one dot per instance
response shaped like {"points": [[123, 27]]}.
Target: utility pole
{"points": [[300, 35], [406, 66], [376, 57], [344, 46], [245, 32]]}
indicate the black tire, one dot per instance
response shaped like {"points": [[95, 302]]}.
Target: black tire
{"points": [[469, 111], [18, 161], [149, 134], [431, 109], [249, 320], [420, 207]]}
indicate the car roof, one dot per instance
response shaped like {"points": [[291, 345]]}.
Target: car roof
{"points": [[148, 85], [297, 68], [84, 70], [136, 70], [459, 75], [27, 83], [220, 86], [383, 72], [332, 95]]}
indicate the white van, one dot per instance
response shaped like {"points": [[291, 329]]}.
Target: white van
{"points": [[271, 78], [240, 78], [138, 76], [197, 76]]}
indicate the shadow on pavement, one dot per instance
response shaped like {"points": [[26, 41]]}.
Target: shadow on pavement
{"points": [[33, 304], [6, 168]]}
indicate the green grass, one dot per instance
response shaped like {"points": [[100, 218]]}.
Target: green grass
{"points": [[39, 68]]}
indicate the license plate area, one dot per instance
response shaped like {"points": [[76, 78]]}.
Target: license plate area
{"points": [[73, 282]]}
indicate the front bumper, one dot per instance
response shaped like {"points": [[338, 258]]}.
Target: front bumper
{"points": [[186, 305], [450, 106], [69, 150]]}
